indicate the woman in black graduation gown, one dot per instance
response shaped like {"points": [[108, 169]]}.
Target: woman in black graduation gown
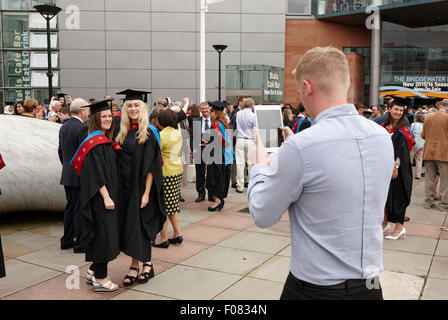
{"points": [[220, 166], [142, 208], [96, 163], [400, 188]]}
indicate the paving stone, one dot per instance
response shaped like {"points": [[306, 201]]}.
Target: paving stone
{"points": [[435, 289], [412, 244], [21, 275], [439, 268], [422, 216], [285, 252], [401, 286], [228, 260], [53, 230], [252, 289], [422, 230], [5, 230], [137, 295], [281, 228], [207, 234], [442, 248], [259, 242], [406, 262], [231, 221], [54, 258], [275, 269], [176, 253], [23, 242], [62, 288], [188, 283], [192, 216]]}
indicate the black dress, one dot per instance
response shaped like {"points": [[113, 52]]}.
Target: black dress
{"points": [[219, 166], [139, 227], [99, 227], [400, 189]]}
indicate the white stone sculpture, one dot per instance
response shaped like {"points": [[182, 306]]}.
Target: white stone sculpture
{"points": [[30, 180]]}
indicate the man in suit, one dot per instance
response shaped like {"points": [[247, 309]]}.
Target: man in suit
{"points": [[199, 136], [435, 155], [71, 135]]}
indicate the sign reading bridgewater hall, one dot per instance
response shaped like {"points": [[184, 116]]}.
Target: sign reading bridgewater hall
{"points": [[430, 83]]}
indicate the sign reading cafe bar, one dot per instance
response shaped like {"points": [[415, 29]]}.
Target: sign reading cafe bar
{"points": [[273, 87], [21, 76]]}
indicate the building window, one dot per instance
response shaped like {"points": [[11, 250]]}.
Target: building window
{"points": [[15, 30], [40, 79], [15, 4], [299, 7], [23, 55], [40, 60], [39, 40]]}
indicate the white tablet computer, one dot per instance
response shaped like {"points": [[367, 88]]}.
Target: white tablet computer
{"points": [[269, 121]]}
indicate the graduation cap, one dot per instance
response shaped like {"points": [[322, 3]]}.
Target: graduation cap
{"points": [[9, 103], [217, 105], [61, 95], [100, 106], [135, 95], [399, 102]]}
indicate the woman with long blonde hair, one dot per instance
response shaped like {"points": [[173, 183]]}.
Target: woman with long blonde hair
{"points": [[142, 207]]}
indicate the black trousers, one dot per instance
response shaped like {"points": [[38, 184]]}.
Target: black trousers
{"points": [[220, 175], [296, 289], [203, 180], [71, 219], [100, 270]]}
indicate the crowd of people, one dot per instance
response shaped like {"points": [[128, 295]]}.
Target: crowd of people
{"points": [[123, 170]]}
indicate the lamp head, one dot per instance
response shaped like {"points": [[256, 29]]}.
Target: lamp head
{"points": [[219, 47], [47, 11]]}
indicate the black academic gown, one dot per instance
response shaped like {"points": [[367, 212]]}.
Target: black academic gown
{"points": [[400, 189], [139, 227], [99, 227]]}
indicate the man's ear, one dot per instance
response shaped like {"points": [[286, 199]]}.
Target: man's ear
{"points": [[308, 88]]}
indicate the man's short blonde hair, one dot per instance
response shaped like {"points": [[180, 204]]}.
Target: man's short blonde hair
{"points": [[326, 67]]}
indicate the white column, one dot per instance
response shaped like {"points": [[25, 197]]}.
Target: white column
{"points": [[375, 67], [202, 85]]}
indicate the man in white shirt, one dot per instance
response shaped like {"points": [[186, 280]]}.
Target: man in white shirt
{"points": [[245, 123]]}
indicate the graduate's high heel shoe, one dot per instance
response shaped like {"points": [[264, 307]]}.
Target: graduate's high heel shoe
{"points": [[386, 230], [218, 207], [402, 234], [131, 279], [146, 275]]}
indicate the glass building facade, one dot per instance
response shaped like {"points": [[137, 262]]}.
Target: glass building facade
{"points": [[337, 7], [23, 58], [414, 58]]}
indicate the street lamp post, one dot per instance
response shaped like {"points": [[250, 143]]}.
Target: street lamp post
{"points": [[48, 12], [220, 48]]}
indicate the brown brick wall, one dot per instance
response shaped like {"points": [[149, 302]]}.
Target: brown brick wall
{"points": [[302, 35]]}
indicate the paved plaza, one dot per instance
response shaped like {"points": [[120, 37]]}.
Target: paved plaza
{"points": [[224, 256]]}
